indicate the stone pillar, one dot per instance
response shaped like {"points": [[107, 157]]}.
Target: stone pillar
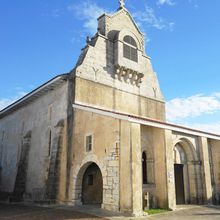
{"points": [[171, 193], [215, 150], [203, 142], [137, 203], [160, 146], [125, 168]]}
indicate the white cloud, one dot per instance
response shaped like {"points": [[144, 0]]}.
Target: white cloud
{"points": [[88, 12], [194, 106], [165, 2], [183, 110], [4, 102], [148, 17], [208, 127]]}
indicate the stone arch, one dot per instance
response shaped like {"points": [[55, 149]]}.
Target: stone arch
{"points": [[182, 189], [92, 185], [188, 148], [120, 37], [185, 155], [179, 155], [78, 178]]}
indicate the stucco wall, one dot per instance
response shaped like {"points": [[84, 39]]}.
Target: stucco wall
{"points": [[37, 118], [215, 167], [102, 96], [117, 151], [105, 153]]}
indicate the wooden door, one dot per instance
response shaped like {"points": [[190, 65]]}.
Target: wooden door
{"points": [[179, 184]]}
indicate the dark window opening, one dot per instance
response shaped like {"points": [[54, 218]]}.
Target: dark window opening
{"points": [[144, 168], [90, 180], [49, 142], [89, 143], [130, 49]]}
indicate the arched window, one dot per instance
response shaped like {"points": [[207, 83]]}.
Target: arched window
{"points": [[130, 48], [144, 168]]}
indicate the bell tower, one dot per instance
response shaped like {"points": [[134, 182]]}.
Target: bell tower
{"points": [[114, 64]]}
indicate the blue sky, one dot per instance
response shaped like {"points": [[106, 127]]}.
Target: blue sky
{"points": [[40, 39]]}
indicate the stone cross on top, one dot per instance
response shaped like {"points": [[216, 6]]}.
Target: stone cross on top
{"points": [[122, 3]]}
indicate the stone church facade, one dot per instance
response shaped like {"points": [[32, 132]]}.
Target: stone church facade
{"points": [[98, 135]]}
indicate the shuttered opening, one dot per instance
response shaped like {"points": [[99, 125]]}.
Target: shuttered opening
{"points": [[130, 49]]}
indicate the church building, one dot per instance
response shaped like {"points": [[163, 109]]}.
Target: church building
{"points": [[98, 135]]}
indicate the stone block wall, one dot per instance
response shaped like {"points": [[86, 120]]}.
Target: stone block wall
{"points": [[111, 186]]}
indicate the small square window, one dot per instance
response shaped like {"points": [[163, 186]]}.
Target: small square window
{"points": [[88, 143], [90, 180]]}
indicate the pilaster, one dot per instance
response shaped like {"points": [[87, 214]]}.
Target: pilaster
{"points": [[206, 169], [137, 203], [171, 194]]}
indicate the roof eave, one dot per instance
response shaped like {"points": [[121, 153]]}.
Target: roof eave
{"points": [[39, 91]]}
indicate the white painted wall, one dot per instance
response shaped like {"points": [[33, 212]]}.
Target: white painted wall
{"points": [[32, 117]]}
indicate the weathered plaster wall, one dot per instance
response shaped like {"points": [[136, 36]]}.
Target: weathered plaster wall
{"points": [[36, 118], [125, 168], [215, 165], [105, 153], [117, 152], [160, 165], [95, 94]]}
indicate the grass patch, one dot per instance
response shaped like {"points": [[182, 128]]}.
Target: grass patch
{"points": [[155, 211]]}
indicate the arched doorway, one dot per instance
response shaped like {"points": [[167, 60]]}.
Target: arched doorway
{"points": [[181, 175], [188, 176], [92, 185]]}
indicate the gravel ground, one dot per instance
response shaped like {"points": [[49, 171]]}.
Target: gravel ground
{"points": [[22, 212], [28, 212]]}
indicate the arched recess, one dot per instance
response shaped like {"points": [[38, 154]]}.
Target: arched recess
{"points": [[187, 169], [92, 185], [80, 171], [181, 175], [188, 147]]}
